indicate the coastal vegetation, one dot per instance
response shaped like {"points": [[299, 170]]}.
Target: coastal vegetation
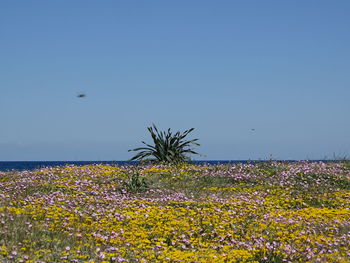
{"points": [[168, 147], [258, 212]]}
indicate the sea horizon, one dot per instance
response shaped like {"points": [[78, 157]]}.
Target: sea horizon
{"points": [[32, 165]]}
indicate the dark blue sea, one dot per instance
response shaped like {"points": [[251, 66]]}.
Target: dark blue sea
{"points": [[31, 165]]}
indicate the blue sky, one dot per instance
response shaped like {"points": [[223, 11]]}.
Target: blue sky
{"points": [[222, 67]]}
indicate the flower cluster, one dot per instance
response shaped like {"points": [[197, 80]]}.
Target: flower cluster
{"points": [[260, 212]]}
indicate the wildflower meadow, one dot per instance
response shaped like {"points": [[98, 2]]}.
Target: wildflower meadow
{"points": [[257, 212]]}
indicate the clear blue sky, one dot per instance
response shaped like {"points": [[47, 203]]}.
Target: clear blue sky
{"points": [[222, 67]]}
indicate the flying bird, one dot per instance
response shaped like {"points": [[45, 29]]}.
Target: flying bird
{"points": [[253, 129], [81, 95]]}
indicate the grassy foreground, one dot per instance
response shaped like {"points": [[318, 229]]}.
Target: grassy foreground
{"points": [[267, 212]]}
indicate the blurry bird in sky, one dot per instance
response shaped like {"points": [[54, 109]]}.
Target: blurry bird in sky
{"points": [[253, 129], [81, 95]]}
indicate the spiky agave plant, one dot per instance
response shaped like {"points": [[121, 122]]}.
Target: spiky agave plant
{"points": [[168, 147]]}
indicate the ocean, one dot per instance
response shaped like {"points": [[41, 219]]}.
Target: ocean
{"points": [[31, 165]]}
